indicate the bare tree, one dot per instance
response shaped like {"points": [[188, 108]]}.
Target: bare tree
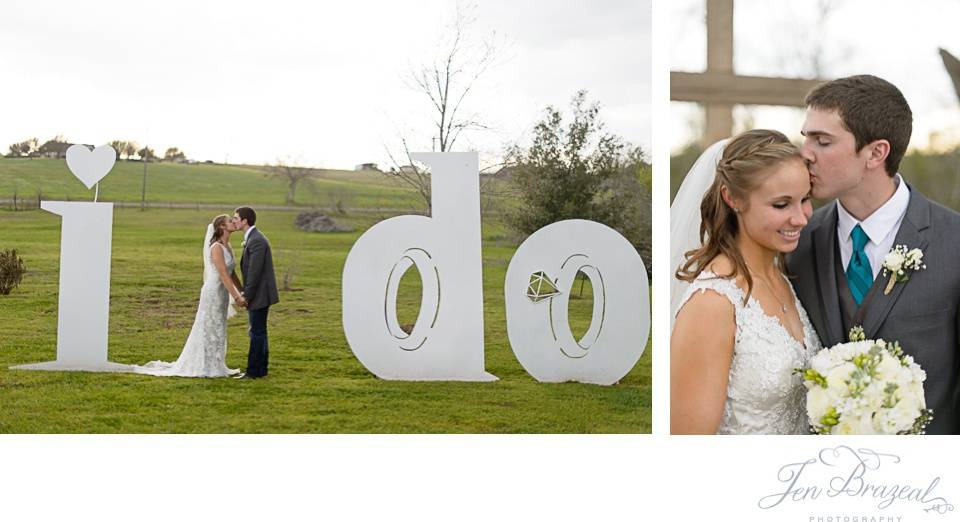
{"points": [[447, 82], [818, 55], [130, 148], [291, 174]]}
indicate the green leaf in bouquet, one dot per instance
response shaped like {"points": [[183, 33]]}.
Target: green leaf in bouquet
{"points": [[811, 375], [889, 395], [895, 350], [830, 419]]}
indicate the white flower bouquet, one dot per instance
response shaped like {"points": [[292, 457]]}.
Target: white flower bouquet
{"points": [[865, 387]]}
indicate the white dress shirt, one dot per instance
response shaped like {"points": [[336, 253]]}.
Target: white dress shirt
{"points": [[881, 227], [247, 233]]}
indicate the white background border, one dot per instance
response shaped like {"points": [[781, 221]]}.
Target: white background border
{"points": [[583, 478]]}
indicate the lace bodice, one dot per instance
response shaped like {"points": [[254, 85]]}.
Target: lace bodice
{"points": [[212, 276], [204, 353], [763, 393]]}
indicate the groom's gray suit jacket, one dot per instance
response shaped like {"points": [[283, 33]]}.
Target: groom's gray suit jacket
{"points": [[256, 266], [921, 313]]}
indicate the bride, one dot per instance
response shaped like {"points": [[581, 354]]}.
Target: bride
{"points": [[739, 329], [204, 354]]}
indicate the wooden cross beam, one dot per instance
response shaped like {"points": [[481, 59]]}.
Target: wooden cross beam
{"points": [[719, 88]]}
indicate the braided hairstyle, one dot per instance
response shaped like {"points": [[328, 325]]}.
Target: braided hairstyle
{"points": [[745, 161]]}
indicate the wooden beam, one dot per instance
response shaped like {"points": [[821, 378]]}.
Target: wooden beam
{"points": [[720, 36], [718, 123], [725, 88]]}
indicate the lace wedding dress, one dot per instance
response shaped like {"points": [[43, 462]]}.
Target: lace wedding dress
{"points": [[763, 393], [204, 354]]}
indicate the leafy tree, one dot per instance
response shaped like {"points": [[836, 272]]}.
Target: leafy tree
{"points": [[146, 154], [24, 148], [174, 154], [579, 171]]}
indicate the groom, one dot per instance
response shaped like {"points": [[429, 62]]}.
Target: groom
{"points": [[259, 289], [855, 134]]}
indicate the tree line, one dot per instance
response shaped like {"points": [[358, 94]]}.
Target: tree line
{"points": [[57, 146], [934, 173]]}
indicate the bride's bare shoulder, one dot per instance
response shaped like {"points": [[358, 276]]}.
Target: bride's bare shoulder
{"points": [[706, 323], [217, 253]]}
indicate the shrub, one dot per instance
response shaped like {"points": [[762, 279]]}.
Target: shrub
{"points": [[11, 271]]}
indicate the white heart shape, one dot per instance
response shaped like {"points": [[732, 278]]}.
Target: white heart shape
{"points": [[90, 166]]}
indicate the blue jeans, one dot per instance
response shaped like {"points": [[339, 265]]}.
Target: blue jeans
{"points": [[259, 354]]}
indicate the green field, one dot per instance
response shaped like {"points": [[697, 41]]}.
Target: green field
{"points": [[200, 183], [315, 384]]}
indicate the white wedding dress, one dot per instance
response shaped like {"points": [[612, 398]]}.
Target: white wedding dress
{"points": [[764, 395], [204, 354]]}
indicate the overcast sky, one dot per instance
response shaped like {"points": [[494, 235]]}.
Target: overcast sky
{"points": [[893, 39], [322, 82]]}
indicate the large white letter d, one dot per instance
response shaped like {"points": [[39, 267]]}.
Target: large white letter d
{"points": [[446, 342]]}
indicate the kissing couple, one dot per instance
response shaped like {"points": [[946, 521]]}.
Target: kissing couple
{"points": [[204, 354], [763, 282]]}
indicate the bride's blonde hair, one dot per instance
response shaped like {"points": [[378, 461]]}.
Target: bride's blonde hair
{"points": [[744, 158], [219, 223]]}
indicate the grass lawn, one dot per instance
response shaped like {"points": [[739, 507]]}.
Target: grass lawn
{"points": [[315, 384], [202, 183]]}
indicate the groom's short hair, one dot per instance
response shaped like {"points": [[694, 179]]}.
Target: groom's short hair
{"points": [[248, 214], [871, 109]]}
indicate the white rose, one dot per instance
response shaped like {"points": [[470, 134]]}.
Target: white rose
{"points": [[868, 425], [873, 396], [902, 415], [890, 370], [893, 261], [822, 365], [854, 425], [837, 377], [818, 402], [914, 394]]}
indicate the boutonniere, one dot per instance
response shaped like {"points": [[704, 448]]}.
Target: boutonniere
{"points": [[243, 244], [900, 263]]}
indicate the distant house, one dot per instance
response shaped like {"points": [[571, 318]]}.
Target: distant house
{"points": [[53, 149], [367, 166]]}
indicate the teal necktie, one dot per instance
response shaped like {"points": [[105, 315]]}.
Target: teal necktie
{"points": [[859, 273]]}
